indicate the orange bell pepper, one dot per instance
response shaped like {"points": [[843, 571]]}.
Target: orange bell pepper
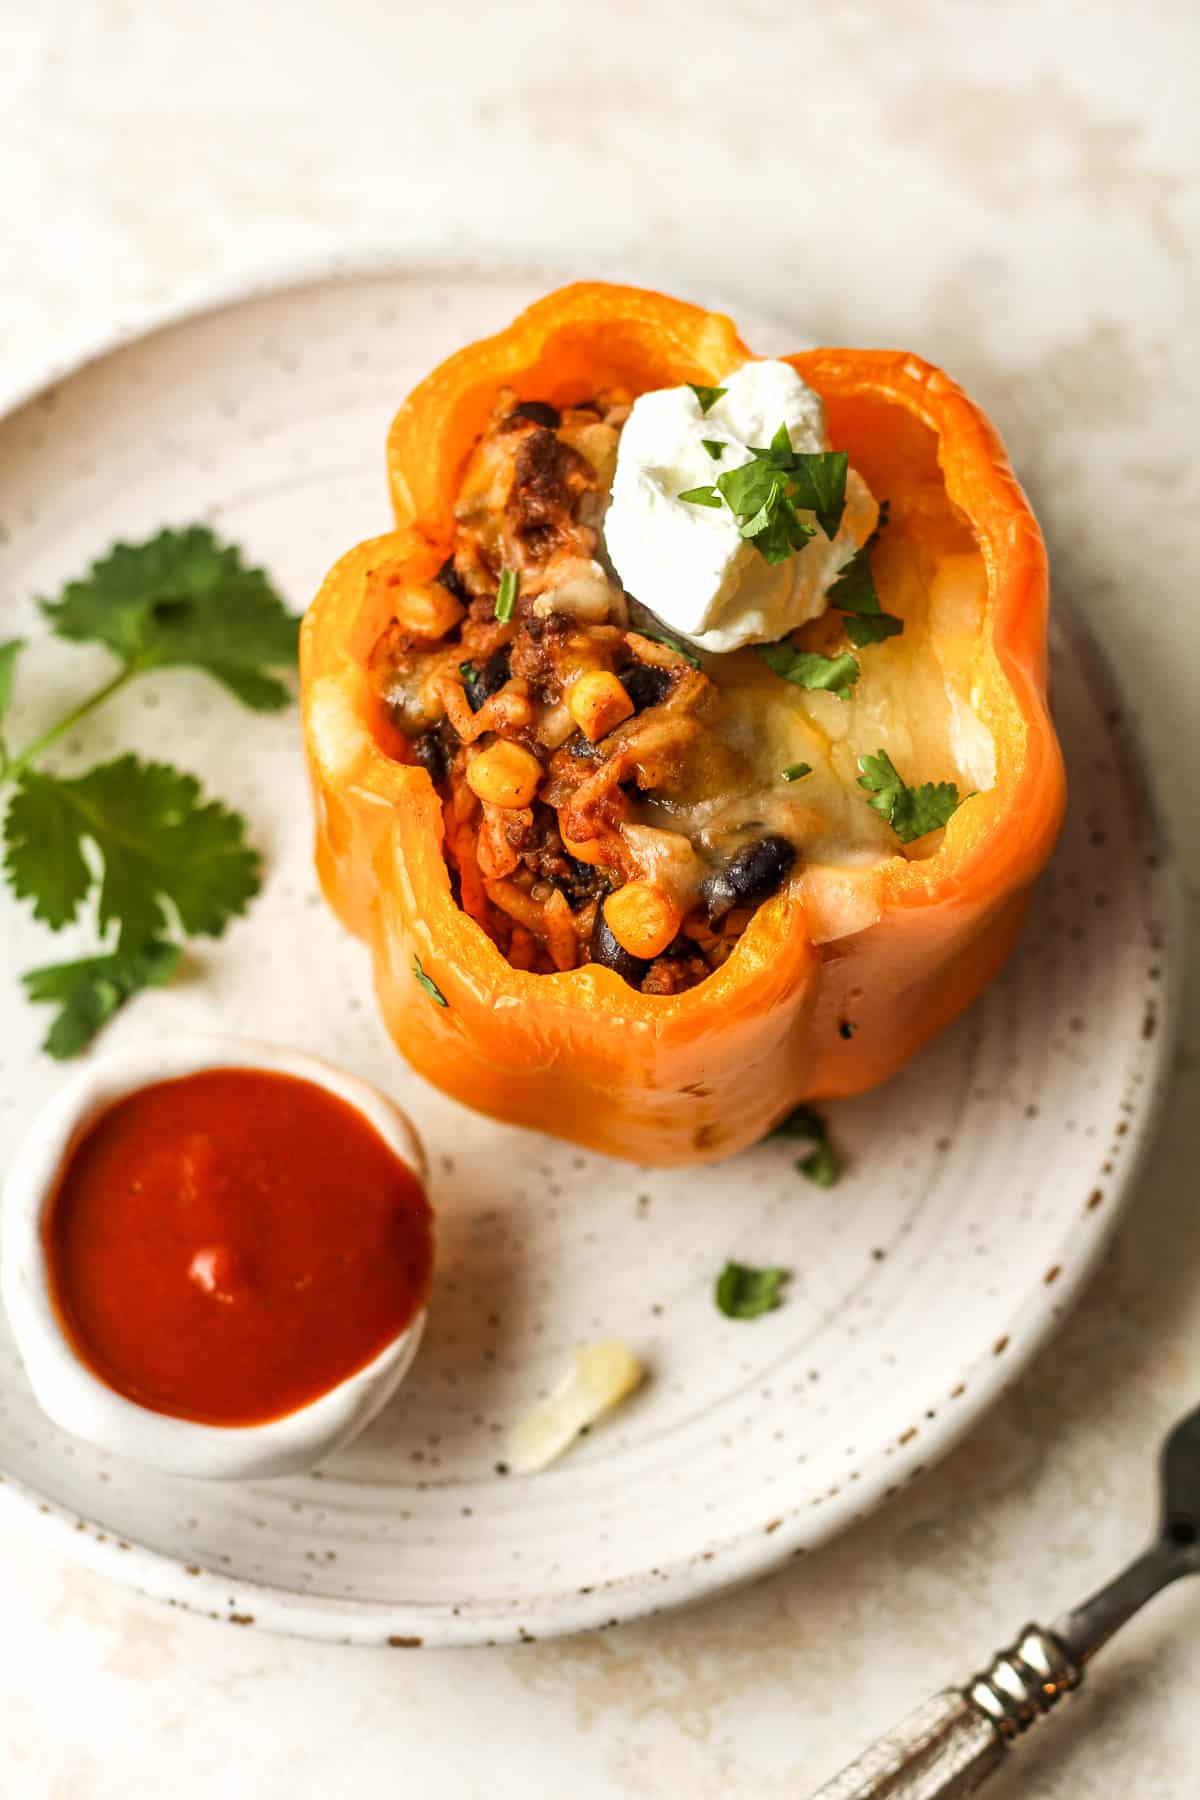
{"points": [[698, 1075]]}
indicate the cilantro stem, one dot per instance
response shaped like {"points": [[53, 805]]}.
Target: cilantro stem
{"points": [[17, 765]]}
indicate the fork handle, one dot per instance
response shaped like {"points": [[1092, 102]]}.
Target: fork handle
{"points": [[949, 1746]]}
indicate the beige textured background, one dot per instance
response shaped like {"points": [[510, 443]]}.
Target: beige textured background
{"points": [[1008, 188]]}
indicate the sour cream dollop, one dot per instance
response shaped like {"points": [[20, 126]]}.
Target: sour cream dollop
{"points": [[688, 564]]}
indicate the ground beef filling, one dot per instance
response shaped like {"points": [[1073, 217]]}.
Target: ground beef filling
{"points": [[548, 732]]}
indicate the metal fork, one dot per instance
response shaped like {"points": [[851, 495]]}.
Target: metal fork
{"points": [[950, 1746]]}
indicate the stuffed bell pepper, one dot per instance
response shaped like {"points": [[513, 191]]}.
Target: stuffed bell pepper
{"points": [[683, 753]]}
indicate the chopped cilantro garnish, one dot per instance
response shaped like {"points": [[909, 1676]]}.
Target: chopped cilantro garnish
{"points": [[707, 396], [808, 669], [506, 597], [767, 494], [797, 771], [468, 671], [818, 481], [863, 630], [853, 593], [822, 1165], [745, 1293], [910, 811], [431, 987]]}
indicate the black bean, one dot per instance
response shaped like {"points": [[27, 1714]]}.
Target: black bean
{"points": [[749, 877], [433, 754], [645, 685], [538, 412], [450, 579], [606, 950], [580, 880], [487, 681]]}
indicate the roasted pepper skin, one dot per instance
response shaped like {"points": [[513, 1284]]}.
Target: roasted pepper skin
{"points": [[693, 1077]]}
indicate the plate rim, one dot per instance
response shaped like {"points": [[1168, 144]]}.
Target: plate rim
{"points": [[754, 1553]]}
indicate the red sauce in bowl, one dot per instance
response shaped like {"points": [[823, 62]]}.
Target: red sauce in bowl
{"points": [[228, 1246]]}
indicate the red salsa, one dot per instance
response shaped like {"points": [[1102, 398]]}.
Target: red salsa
{"points": [[229, 1246]]}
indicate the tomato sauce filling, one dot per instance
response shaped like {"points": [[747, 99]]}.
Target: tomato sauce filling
{"points": [[229, 1246]]}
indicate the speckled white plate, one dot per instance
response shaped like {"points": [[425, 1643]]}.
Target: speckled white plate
{"points": [[982, 1183]]}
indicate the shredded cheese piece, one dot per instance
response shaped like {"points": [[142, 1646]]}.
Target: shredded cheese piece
{"points": [[600, 1377]]}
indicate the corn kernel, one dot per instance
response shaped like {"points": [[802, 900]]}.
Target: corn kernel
{"points": [[643, 918], [427, 609], [597, 702], [504, 774], [588, 852]]}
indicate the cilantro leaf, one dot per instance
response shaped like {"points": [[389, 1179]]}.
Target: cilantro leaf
{"points": [[716, 449], [707, 396], [89, 992], [183, 597], [154, 834], [757, 495], [431, 987], [910, 812], [775, 530], [854, 593], [806, 669], [750, 486], [700, 496], [745, 1293], [822, 1165], [818, 482], [796, 771], [766, 492], [863, 631], [506, 597]]}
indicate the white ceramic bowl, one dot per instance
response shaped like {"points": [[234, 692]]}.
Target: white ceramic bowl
{"points": [[67, 1390]]}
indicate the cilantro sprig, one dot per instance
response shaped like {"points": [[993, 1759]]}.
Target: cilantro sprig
{"points": [[184, 597], [139, 842], [88, 993], [910, 811]]}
